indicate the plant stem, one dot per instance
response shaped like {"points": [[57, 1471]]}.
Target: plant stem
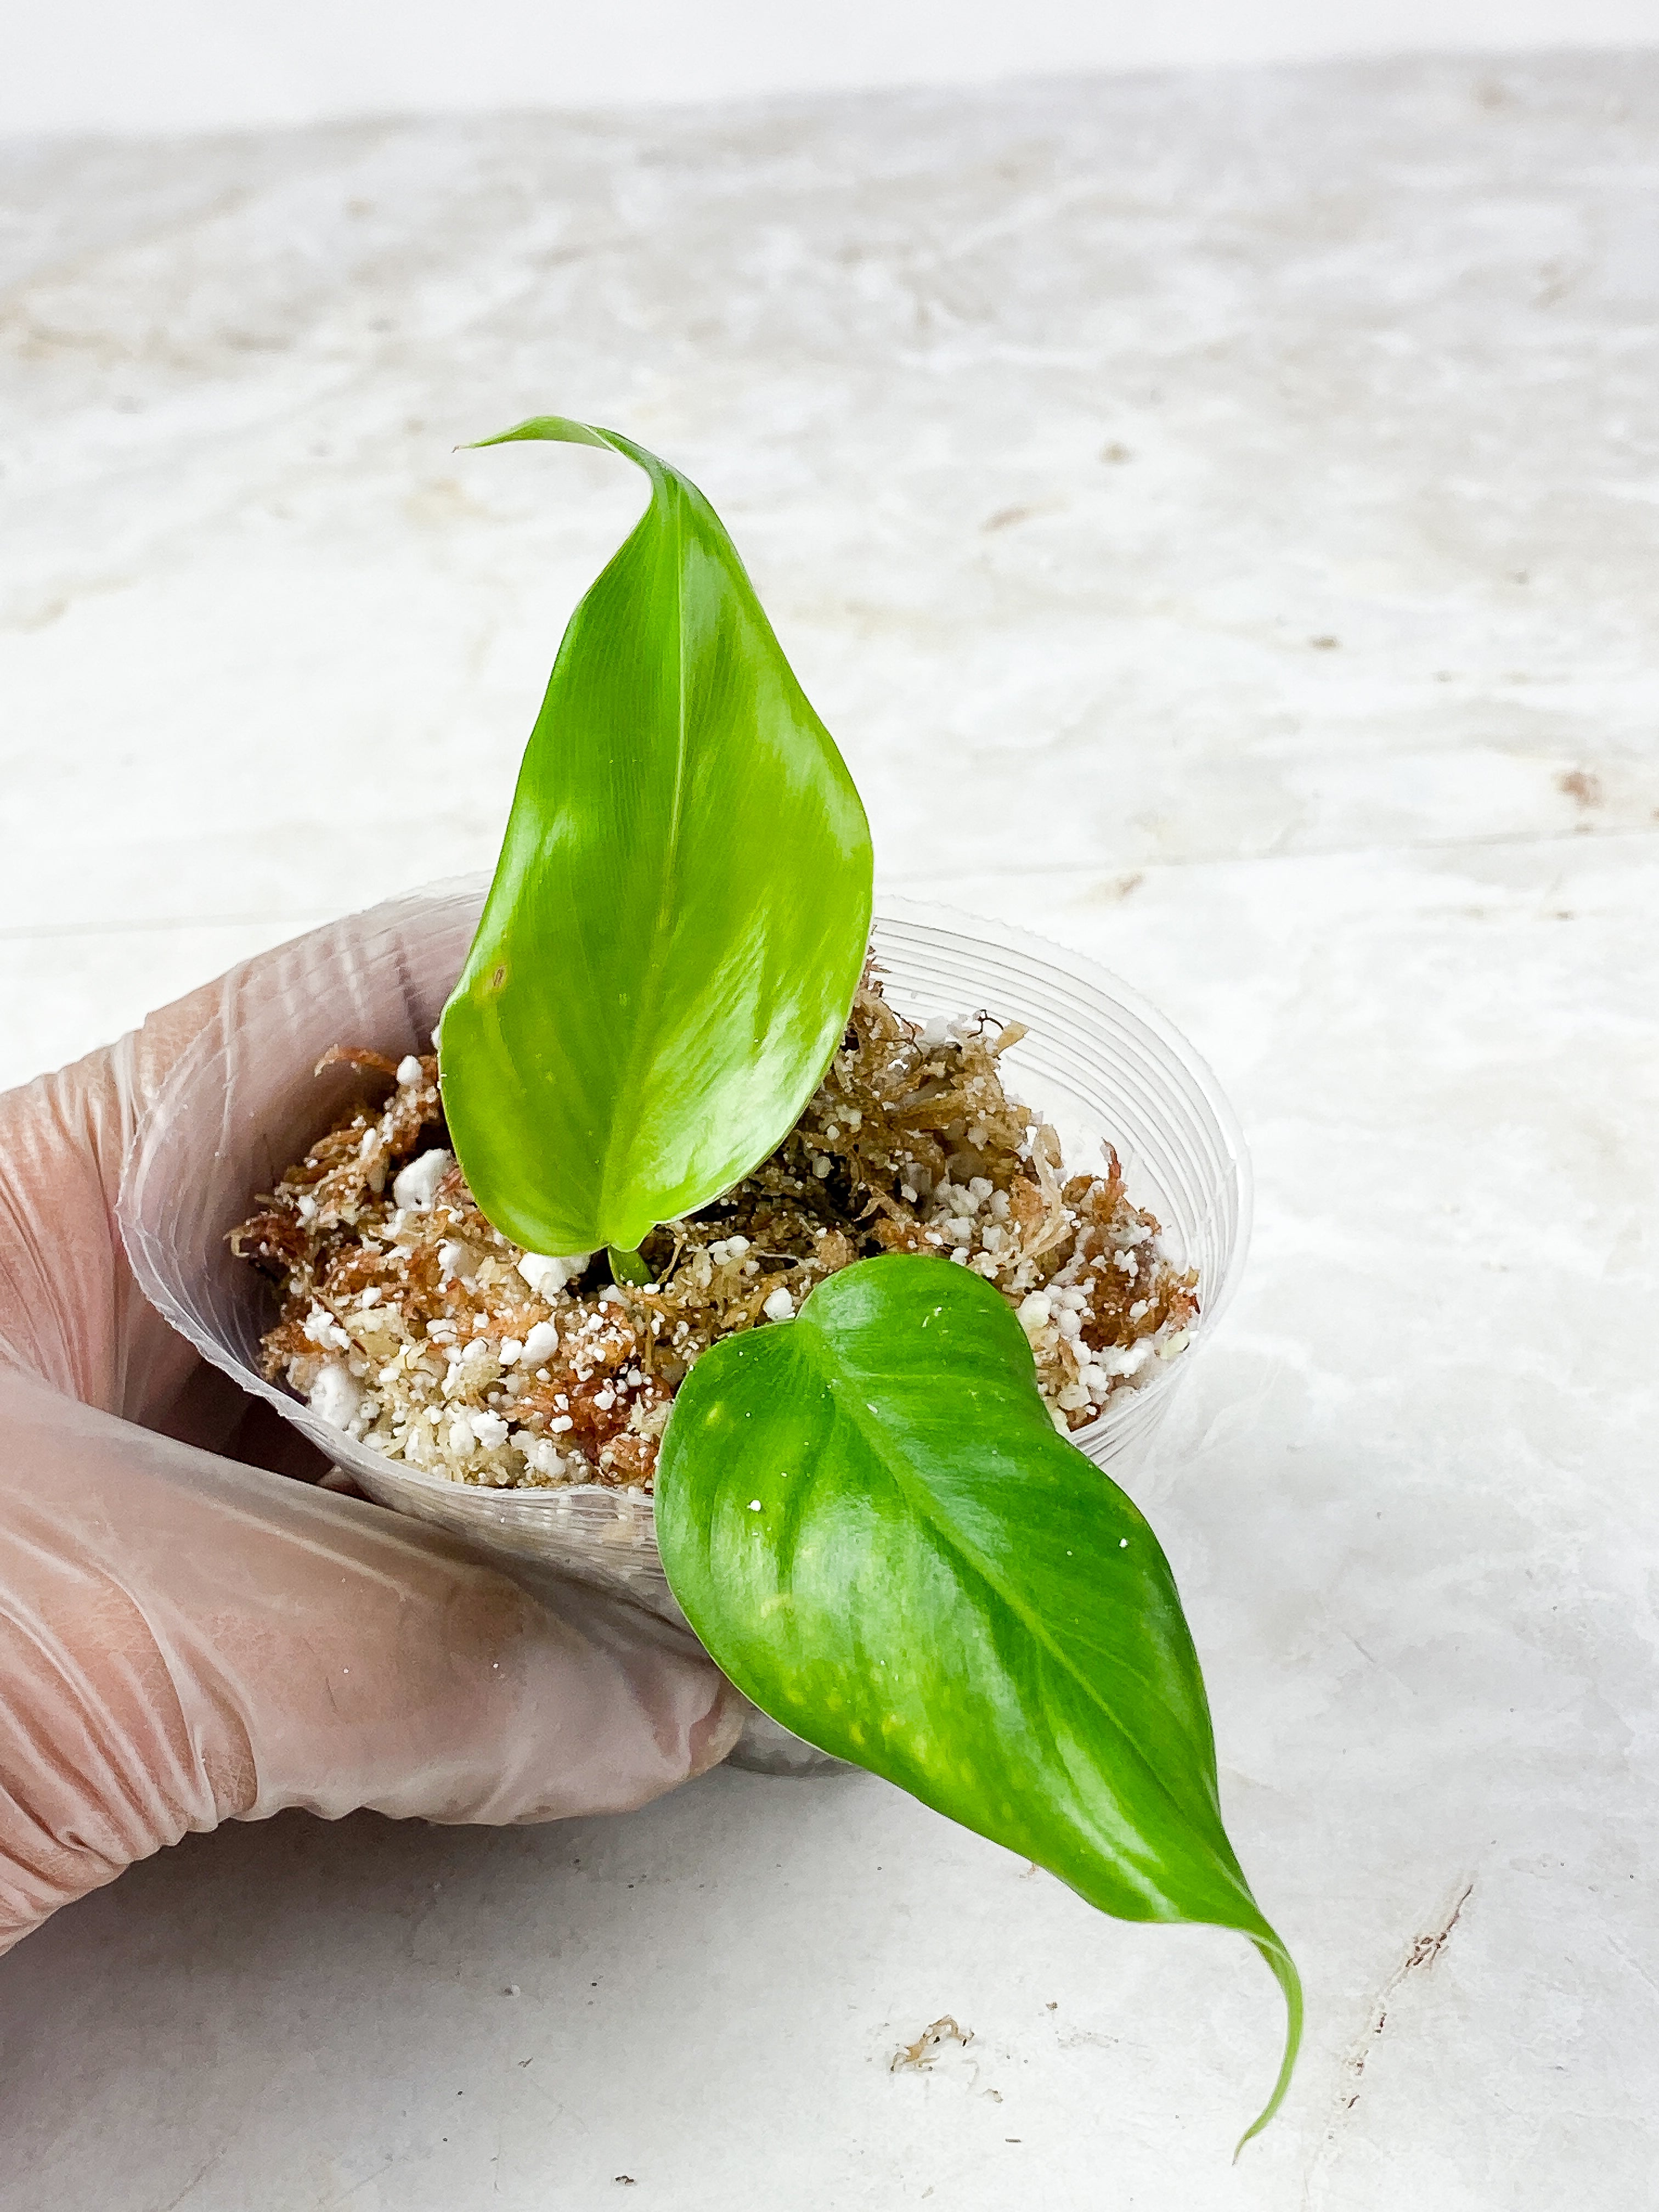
{"points": [[627, 1267]]}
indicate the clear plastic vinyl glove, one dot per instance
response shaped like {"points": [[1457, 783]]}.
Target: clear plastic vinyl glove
{"points": [[191, 1632]]}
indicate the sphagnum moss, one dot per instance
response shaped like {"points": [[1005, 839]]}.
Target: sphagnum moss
{"points": [[413, 1324]]}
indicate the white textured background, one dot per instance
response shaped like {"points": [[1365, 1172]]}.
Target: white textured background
{"points": [[1218, 516], [223, 64]]}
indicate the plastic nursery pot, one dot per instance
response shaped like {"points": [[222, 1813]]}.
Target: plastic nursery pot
{"points": [[242, 1103]]}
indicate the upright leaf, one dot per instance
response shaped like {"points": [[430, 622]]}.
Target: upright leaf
{"points": [[871, 1521], [679, 914]]}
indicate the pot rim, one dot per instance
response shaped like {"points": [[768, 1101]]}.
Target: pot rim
{"points": [[891, 910]]}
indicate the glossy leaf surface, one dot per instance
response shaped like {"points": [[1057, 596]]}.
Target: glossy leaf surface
{"points": [[680, 911], [873, 1524]]}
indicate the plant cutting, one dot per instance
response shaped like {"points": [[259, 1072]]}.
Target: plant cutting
{"points": [[681, 1203]]}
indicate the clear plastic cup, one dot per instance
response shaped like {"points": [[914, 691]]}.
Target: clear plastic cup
{"points": [[242, 1104]]}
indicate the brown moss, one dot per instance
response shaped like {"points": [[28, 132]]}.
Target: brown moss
{"points": [[911, 1144]]}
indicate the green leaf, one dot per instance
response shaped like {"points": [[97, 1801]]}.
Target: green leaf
{"points": [[680, 911], [873, 1524]]}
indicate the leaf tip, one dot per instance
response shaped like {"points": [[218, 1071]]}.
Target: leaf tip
{"points": [[1283, 1968]]}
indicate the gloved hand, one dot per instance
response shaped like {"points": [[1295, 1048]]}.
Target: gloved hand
{"points": [[190, 1631]]}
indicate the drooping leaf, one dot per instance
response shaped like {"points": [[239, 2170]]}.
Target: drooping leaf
{"points": [[680, 911], [871, 1522]]}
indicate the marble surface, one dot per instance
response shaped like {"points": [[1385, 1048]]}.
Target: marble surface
{"points": [[1218, 516]]}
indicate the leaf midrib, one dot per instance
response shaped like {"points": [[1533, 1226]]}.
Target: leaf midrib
{"points": [[651, 999]]}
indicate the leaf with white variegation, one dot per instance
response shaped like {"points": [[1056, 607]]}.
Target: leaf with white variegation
{"points": [[872, 1523]]}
